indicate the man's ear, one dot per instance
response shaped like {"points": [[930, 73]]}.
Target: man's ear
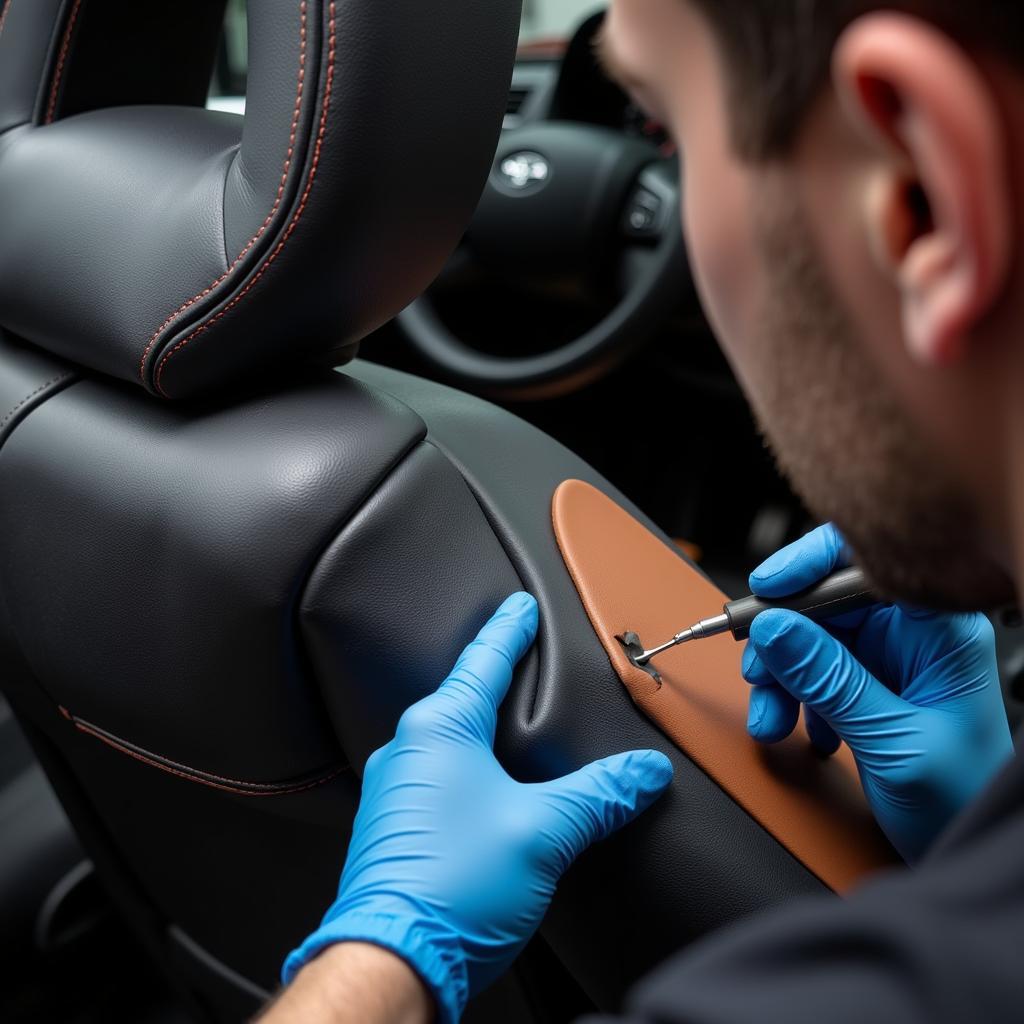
{"points": [[939, 209]]}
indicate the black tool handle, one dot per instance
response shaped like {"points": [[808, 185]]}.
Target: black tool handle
{"points": [[845, 591]]}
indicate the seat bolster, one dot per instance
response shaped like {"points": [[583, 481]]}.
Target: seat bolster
{"points": [[402, 590]]}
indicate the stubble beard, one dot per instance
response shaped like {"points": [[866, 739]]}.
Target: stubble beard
{"points": [[849, 449]]}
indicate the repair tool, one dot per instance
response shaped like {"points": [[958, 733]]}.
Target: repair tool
{"points": [[847, 590]]}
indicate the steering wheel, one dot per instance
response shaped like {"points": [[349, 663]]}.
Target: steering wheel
{"points": [[568, 198]]}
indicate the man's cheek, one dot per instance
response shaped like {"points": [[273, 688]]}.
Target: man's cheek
{"points": [[723, 258]]}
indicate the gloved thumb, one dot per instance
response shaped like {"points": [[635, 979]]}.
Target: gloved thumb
{"points": [[815, 668], [595, 801]]}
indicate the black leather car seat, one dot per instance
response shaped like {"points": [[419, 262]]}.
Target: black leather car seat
{"points": [[213, 609]]}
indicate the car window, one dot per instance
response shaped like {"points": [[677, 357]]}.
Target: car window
{"points": [[542, 20], [546, 19]]}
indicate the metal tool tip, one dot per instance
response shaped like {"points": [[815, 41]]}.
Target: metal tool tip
{"points": [[680, 638], [634, 650]]}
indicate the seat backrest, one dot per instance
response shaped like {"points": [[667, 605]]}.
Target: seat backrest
{"points": [[155, 554]]}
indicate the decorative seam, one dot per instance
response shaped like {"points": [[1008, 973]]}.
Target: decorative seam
{"points": [[292, 135], [38, 391], [65, 46], [303, 202], [237, 786]]}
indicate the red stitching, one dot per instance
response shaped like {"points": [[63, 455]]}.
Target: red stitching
{"points": [[270, 216], [328, 87], [203, 778], [51, 110]]}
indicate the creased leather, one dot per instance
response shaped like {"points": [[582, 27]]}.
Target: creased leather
{"points": [[629, 580]]}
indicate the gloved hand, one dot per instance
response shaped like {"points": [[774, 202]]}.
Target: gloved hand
{"points": [[452, 863], [914, 694]]}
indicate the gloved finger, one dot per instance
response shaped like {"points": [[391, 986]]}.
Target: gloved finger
{"points": [[593, 802], [773, 716], [820, 672], [800, 564], [480, 679], [753, 668], [822, 736], [773, 713]]}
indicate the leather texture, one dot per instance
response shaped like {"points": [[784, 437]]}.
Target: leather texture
{"points": [[630, 580], [205, 250]]}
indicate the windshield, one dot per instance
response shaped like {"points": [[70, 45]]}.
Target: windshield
{"points": [[558, 19]]}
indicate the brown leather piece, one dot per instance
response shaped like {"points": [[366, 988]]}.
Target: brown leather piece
{"points": [[629, 580]]}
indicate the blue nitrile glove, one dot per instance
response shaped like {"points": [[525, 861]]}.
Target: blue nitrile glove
{"points": [[914, 694], [452, 863]]}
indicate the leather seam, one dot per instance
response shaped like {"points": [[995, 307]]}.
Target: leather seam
{"points": [[297, 216], [38, 391], [197, 775], [286, 170], [65, 48]]}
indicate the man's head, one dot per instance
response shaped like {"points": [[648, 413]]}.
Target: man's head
{"points": [[853, 228]]}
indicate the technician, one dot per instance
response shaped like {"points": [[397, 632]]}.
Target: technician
{"points": [[854, 207]]}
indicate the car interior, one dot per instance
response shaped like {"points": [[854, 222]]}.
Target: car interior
{"points": [[308, 308]]}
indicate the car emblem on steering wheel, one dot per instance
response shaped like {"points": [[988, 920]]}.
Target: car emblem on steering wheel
{"points": [[524, 172]]}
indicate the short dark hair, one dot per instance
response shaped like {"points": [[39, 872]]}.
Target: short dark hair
{"points": [[778, 53]]}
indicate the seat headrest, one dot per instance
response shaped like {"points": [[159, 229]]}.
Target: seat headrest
{"points": [[148, 238]]}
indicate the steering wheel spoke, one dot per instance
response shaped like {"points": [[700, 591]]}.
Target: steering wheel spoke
{"points": [[652, 205]]}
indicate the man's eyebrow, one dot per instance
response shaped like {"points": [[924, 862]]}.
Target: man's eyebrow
{"points": [[609, 61]]}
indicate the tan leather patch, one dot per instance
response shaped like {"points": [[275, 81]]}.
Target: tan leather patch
{"points": [[629, 580]]}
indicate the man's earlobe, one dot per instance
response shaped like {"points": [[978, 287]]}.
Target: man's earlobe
{"points": [[938, 206]]}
